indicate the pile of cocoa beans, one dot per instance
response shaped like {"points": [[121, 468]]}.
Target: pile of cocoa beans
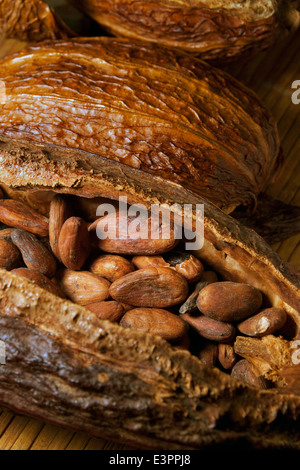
{"points": [[150, 285]]}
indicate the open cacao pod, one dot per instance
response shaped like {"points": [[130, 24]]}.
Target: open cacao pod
{"points": [[66, 366], [214, 30], [151, 108]]}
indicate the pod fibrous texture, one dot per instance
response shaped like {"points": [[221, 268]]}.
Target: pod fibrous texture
{"points": [[214, 30], [151, 108], [31, 20]]}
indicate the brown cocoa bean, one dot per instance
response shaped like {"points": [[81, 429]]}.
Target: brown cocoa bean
{"points": [[209, 277], [244, 371], [40, 280], [150, 287], [39, 200], [83, 287], [5, 233], [127, 307], [10, 256], [186, 264], [141, 262], [183, 343], [87, 207], [107, 310], [74, 243], [34, 253], [111, 267], [229, 301], [190, 305], [126, 235], [208, 354], [227, 356], [19, 215], [266, 322], [211, 329], [60, 211], [156, 321]]}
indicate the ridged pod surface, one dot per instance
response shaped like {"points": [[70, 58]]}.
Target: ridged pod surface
{"points": [[31, 20], [151, 108], [213, 30]]}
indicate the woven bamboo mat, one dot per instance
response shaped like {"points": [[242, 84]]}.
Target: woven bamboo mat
{"points": [[271, 75]]}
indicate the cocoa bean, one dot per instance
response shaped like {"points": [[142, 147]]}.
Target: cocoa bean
{"points": [[34, 253], [107, 310], [141, 262], [210, 277], [156, 321], [210, 328], [111, 267], [121, 234], [74, 243], [40, 280], [19, 215], [266, 322], [227, 356], [186, 264], [60, 211], [208, 354], [150, 287], [229, 301], [244, 371], [10, 256], [83, 287], [5, 233], [190, 305]]}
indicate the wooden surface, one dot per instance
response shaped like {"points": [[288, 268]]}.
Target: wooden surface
{"points": [[271, 75]]}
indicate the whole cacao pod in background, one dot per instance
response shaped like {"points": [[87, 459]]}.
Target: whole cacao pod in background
{"points": [[151, 108], [217, 31], [31, 20], [213, 30]]}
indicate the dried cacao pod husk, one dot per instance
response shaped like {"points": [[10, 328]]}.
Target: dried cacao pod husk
{"points": [[166, 399], [284, 223], [151, 108], [31, 20], [94, 376], [214, 30]]}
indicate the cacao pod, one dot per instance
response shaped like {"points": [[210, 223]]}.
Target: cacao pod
{"points": [[31, 20], [213, 30], [94, 376], [151, 108]]}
